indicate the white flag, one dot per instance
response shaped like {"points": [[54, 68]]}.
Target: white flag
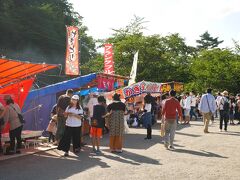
{"points": [[134, 70]]}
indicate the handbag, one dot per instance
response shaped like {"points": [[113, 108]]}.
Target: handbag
{"points": [[162, 130], [20, 116]]}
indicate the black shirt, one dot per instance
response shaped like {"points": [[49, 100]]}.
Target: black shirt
{"points": [[116, 106], [98, 112]]}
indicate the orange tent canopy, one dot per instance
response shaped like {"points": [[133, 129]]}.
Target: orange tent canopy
{"points": [[12, 71]]}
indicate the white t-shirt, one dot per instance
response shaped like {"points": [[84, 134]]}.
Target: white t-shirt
{"points": [[218, 100], [221, 102], [187, 103], [71, 120], [148, 107], [193, 101]]}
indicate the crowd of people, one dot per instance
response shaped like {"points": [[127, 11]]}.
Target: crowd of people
{"points": [[69, 114]]}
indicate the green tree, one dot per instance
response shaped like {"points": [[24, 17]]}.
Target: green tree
{"points": [[207, 41], [160, 58], [216, 68], [35, 30]]}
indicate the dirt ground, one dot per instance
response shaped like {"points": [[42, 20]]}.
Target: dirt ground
{"points": [[213, 156]]}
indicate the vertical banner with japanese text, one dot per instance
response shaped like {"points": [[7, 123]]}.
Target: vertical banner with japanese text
{"points": [[72, 60], [108, 59]]}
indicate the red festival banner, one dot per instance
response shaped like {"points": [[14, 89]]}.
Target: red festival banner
{"points": [[72, 61], [108, 59]]}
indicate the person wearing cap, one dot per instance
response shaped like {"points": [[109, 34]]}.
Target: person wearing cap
{"points": [[10, 115], [224, 108], [116, 123], [62, 103], [72, 132], [207, 108]]}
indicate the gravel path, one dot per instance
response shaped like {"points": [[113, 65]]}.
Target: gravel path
{"points": [[213, 156]]}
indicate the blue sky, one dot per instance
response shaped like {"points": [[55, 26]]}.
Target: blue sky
{"points": [[189, 18]]}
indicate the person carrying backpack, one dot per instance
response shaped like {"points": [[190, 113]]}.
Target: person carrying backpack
{"points": [[224, 107]]}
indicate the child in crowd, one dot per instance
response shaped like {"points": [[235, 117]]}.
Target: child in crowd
{"points": [[52, 128], [97, 124]]}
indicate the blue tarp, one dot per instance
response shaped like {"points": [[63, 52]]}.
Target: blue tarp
{"points": [[38, 118]]}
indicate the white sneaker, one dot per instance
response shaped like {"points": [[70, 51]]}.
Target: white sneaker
{"points": [[220, 130]]}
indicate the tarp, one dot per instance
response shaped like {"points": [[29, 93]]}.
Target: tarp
{"points": [[38, 105], [12, 71], [18, 92]]}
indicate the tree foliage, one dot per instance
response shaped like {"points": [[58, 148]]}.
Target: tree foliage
{"points": [[207, 41], [35, 30]]}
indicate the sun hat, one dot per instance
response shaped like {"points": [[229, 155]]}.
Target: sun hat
{"points": [[76, 97], [225, 93]]}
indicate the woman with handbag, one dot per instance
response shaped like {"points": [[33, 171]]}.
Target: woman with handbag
{"points": [[12, 114], [73, 126], [97, 123]]}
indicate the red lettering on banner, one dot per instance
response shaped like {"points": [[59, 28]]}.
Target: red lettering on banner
{"points": [[72, 60], [108, 59], [136, 89], [128, 92]]}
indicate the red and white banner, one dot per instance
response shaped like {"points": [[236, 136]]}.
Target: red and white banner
{"points": [[72, 60], [141, 87], [108, 59]]}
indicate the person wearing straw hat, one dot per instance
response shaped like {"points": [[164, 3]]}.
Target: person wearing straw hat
{"points": [[224, 107]]}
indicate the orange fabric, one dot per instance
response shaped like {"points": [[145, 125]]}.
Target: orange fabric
{"points": [[18, 92], [96, 132], [13, 71], [116, 143]]}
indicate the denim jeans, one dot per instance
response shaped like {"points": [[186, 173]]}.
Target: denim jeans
{"points": [[170, 128], [192, 113]]}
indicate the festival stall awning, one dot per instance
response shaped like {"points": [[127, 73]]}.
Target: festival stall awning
{"points": [[12, 71], [147, 87]]}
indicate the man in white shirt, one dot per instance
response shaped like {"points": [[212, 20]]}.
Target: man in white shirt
{"points": [[187, 108], [207, 107]]}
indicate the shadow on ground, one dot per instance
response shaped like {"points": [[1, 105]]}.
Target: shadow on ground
{"points": [[199, 153]]}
